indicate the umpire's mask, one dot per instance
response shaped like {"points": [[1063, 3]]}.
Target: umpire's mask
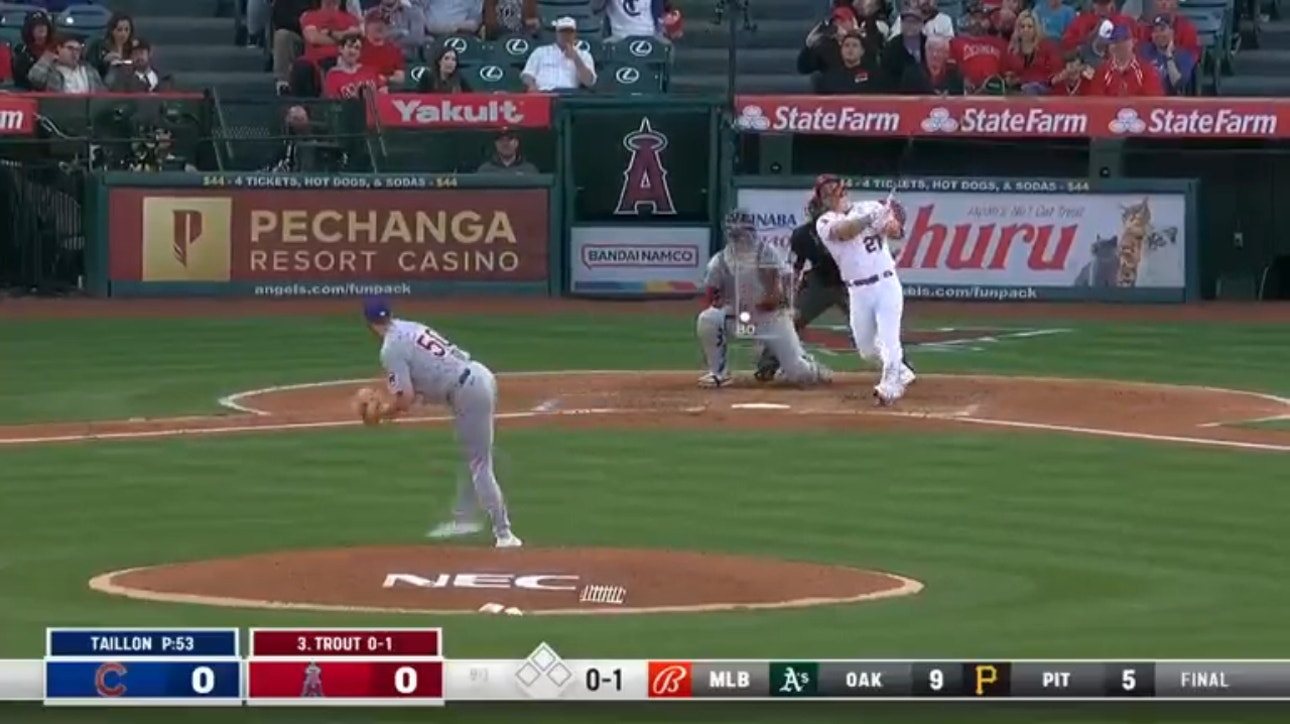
{"points": [[741, 227]]}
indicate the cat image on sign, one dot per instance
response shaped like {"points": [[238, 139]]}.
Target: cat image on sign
{"points": [[1103, 270], [1138, 240]]}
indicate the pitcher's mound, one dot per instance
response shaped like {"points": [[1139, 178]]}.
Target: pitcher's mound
{"points": [[443, 579]]}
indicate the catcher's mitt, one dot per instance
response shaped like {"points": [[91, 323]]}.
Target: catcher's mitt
{"points": [[367, 405]]}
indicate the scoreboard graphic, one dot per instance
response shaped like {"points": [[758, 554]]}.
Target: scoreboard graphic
{"points": [[406, 667]]}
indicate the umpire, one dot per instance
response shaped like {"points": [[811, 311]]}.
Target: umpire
{"points": [[818, 289]]}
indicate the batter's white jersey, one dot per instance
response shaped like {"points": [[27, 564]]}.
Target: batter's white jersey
{"points": [[865, 255], [420, 361]]}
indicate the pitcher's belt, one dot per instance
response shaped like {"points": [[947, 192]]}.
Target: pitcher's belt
{"points": [[870, 280]]}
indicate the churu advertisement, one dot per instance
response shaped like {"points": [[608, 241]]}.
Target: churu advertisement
{"points": [[312, 235], [994, 239]]}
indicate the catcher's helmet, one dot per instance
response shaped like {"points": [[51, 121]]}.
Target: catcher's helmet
{"points": [[740, 225]]}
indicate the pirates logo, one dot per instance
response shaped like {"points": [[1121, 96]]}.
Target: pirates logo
{"points": [[645, 186]]}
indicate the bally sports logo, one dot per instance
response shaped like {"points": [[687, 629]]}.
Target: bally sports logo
{"points": [[463, 110]]}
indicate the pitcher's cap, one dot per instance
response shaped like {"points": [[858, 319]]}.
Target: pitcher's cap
{"points": [[376, 309]]}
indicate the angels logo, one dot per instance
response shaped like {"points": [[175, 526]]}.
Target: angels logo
{"points": [[645, 185]]}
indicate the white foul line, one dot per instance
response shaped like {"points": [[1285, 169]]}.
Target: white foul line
{"points": [[1126, 435]]}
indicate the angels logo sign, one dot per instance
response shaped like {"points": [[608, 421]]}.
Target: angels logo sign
{"points": [[645, 185]]}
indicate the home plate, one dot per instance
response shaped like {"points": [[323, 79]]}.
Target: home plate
{"points": [[759, 406]]}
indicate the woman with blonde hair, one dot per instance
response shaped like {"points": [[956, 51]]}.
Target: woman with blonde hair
{"points": [[1032, 60]]}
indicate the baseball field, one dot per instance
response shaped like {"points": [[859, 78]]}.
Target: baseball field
{"points": [[1061, 482]]}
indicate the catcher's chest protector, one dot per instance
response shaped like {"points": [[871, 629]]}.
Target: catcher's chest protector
{"points": [[748, 265]]}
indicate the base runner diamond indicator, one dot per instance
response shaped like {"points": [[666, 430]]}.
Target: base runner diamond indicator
{"points": [[544, 675]]}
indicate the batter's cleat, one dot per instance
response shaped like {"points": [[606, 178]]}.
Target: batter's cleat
{"points": [[907, 376], [713, 380], [509, 540], [885, 396], [454, 529]]}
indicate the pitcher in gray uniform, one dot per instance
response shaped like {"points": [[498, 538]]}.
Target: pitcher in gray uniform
{"points": [[753, 278], [422, 364]]}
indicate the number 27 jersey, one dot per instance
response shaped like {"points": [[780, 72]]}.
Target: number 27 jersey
{"points": [[420, 361], [867, 254]]}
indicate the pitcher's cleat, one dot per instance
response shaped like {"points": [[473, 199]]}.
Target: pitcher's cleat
{"points": [[907, 376], [509, 540], [454, 529]]}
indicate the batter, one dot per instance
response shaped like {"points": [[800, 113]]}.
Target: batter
{"points": [[856, 235], [749, 285], [421, 363]]}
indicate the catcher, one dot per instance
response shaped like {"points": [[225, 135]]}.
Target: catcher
{"points": [[818, 288], [749, 294]]}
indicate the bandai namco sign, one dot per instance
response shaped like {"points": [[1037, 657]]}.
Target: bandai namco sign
{"points": [[526, 582]]}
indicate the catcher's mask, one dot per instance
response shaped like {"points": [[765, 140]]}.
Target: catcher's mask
{"points": [[741, 227]]}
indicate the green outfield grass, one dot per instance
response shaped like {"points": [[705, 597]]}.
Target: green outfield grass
{"points": [[1031, 545]]}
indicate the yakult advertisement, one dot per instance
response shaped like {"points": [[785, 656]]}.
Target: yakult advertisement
{"points": [[1018, 239]]}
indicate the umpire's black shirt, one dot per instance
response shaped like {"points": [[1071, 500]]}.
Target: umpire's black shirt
{"points": [[806, 246]]}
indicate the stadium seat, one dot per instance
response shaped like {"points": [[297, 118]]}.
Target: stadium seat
{"points": [[470, 50], [512, 50], [629, 80], [595, 46], [14, 15], [412, 79], [493, 78], [83, 18], [636, 50]]}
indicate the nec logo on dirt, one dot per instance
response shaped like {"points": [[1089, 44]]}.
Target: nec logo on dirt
{"points": [[528, 582]]}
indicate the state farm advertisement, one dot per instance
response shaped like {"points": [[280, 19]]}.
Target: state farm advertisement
{"points": [[463, 110], [1015, 117], [291, 235], [973, 244], [638, 261]]}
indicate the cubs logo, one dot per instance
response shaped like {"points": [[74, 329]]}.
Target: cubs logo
{"points": [[646, 189]]}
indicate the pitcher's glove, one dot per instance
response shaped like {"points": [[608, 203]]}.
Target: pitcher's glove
{"points": [[367, 405]]}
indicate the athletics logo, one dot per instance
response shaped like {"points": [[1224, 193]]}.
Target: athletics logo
{"points": [[670, 680]]}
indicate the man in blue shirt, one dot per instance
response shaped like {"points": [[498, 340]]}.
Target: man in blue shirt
{"points": [[1054, 16], [1176, 66]]}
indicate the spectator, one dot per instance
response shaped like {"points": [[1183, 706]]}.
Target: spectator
{"points": [[1076, 77], [628, 18], [1032, 59], [673, 21], [323, 28], [348, 77], [977, 51], [1054, 17], [453, 17], [902, 57], [1184, 30], [297, 125], [63, 70], [288, 37], [114, 47], [506, 157], [381, 56], [871, 22], [444, 75], [510, 17], [37, 39], [407, 25], [822, 49], [137, 75], [560, 65], [935, 22], [1004, 18], [1175, 65], [1085, 27], [857, 73], [1121, 74], [940, 73]]}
